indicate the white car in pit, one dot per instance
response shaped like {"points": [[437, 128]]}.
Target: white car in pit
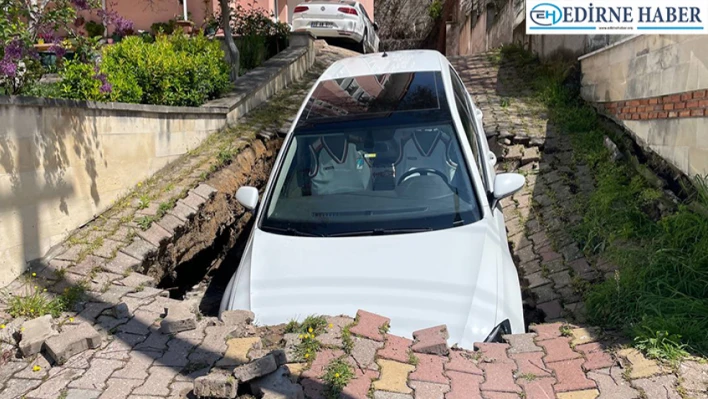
{"points": [[384, 198], [346, 21]]}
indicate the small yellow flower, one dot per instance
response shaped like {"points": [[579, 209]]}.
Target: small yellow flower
{"points": [[71, 319], [44, 290], [309, 330], [336, 375], [331, 325], [301, 336], [34, 274], [2, 326], [307, 355], [36, 368], [140, 184], [35, 287], [22, 329]]}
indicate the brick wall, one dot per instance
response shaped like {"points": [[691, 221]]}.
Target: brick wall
{"points": [[682, 105]]}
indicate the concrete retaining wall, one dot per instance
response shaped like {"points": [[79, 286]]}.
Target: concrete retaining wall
{"points": [[656, 86], [64, 162]]}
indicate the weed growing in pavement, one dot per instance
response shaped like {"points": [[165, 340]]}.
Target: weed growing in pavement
{"points": [[347, 341], [384, 328], [143, 201], [313, 325], [412, 358], [166, 207], [308, 347], [145, 222], [292, 326], [566, 330], [337, 375], [39, 303], [660, 288]]}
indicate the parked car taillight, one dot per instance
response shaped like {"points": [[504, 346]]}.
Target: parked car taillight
{"points": [[348, 10], [300, 9]]}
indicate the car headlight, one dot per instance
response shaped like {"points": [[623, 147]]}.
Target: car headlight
{"points": [[502, 328]]}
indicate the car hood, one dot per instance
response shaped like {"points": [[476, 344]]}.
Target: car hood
{"points": [[419, 280]]}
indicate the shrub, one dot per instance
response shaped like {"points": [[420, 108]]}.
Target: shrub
{"points": [[94, 28], [83, 82], [253, 52], [435, 9]]}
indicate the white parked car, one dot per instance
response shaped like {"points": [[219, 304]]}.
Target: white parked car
{"points": [[384, 198], [337, 20]]}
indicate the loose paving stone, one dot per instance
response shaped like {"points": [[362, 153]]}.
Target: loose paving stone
{"points": [[641, 367], [432, 341], [596, 357], [394, 376], [493, 352], [570, 376], [531, 364], [122, 264], [255, 369], [72, 341], [332, 335], [370, 325], [537, 388], [34, 333], [586, 394], [429, 369], [178, 319], [277, 385], [359, 386], [612, 385], [464, 386], [295, 369], [521, 343], [558, 349], [396, 348], [237, 317], [205, 191], [429, 390], [237, 351], [499, 377], [364, 352], [312, 383], [121, 311], [546, 331], [461, 361], [658, 387], [97, 374]]}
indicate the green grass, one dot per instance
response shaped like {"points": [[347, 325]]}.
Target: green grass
{"points": [[39, 303], [659, 297], [337, 375]]}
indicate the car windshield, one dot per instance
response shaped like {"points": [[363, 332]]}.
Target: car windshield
{"points": [[372, 155]]}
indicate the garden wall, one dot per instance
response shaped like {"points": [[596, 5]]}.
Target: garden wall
{"points": [[63, 162], [656, 86]]}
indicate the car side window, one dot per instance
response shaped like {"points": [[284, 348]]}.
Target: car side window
{"points": [[363, 11], [464, 109]]}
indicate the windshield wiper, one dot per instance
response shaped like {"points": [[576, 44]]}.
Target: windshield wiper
{"points": [[380, 232], [290, 231]]}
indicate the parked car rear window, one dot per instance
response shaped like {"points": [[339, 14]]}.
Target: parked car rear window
{"points": [[374, 154]]}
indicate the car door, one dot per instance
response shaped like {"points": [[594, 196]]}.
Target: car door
{"points": [[372, 37]]}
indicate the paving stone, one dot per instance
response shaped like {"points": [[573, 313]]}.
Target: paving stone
{"points": [[82, 394], [552, 309], [18, 387], [213, 345], [499, 377], [237, 317], [158, 382], [183, 211], [499, 395], [537, 388], [429, 390], [119, 388], [204, 190], [585, 394], [493, 352], [52, 387], [364, 352], [108, 249], [521, 343], [32, 373], [72, 341], [296, 369], [137, 280], [156, 341], [391, 395], [332, 336], [137, 367], [462, 361], [394, 376], [536, 280], [318, 366], [558, 349], [359, 386], [546, 331], [464, 385], [641, 366], [149, 292], [120, 347], [396, 348], [139, 249], [97, 374], [612, 385], [178, 319], [87, 266], [658, 387], [72, 254], [429, 369], [530, 155], [140, 323], [255, 369], [277, 385], [237, 351], [531, 364], [171, 224], [122, 264], [694, 375], [431, 340], [34, 333], [155, 235], [369, 325], [514, 153], [570, 376], [595, 356]]}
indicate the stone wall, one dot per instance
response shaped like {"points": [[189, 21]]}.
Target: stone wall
{"points": [[403, 24], [64, 162], [655, 86]]}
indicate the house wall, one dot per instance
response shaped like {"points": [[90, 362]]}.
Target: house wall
{"points": [[657, 87]]}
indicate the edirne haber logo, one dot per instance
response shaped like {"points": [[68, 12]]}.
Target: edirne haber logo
{"points": [[616, 17]]}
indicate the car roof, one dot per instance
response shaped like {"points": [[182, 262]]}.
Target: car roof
{"points": [[393, 62]]}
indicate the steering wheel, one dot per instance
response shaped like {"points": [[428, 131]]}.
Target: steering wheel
{"points": [[423, 172]]}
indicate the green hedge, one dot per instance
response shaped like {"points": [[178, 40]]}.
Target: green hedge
{"points": [[174, 70]]}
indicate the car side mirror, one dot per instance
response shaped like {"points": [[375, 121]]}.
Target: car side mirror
{"points": [[478, 113], [491, 158], [505, 185], [248, 197], [376, 26]]}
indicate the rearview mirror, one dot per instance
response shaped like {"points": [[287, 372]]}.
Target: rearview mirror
{"points": [[248, 197], [506, 184], [376, 26]]}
